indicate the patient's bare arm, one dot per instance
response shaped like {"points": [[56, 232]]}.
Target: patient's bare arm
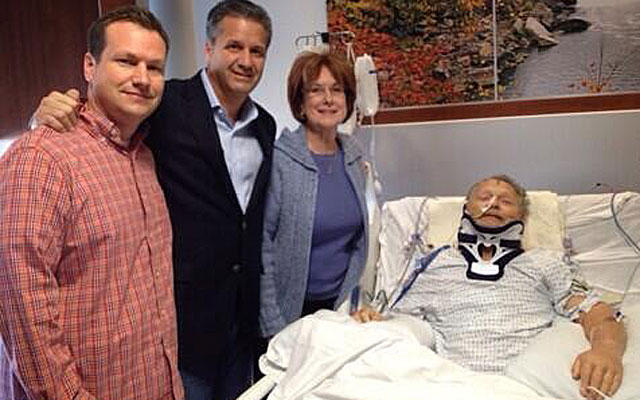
{"points": [[600, 366], [58, 110]]}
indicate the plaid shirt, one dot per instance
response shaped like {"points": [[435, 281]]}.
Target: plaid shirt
{"points": [[86, 290]]}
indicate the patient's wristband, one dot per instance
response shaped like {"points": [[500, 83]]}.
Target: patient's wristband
{"points": [[591, 298]]}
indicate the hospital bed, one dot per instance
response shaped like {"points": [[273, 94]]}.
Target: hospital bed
{"points": [[329, 356]]}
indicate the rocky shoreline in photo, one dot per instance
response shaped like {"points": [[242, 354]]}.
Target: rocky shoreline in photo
{"points": [[536, 28], [430, 52]]}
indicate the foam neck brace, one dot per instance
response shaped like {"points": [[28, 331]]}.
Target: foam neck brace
{"points": [[503, 242]]}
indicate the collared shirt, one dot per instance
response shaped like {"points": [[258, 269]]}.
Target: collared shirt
{"points": [[242, 152], [86, 282]]}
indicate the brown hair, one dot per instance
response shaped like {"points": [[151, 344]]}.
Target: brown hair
{"points": [[521, 193], [96, 38], [306, 68]]}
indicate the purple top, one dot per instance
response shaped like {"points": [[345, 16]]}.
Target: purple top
{"points": [[338, 223]]}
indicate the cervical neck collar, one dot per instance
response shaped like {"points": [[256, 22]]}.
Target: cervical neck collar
{"points": [[504, 242]]}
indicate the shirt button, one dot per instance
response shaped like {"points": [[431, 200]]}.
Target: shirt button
{"points": [[236, 268], [244, 225]]}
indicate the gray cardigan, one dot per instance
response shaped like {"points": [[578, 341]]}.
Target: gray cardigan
{"points": [[288, 227]]}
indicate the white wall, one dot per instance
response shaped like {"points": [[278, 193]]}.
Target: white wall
{"points": [[178, 19], [291, 18], [4, 144], [566, 153]]}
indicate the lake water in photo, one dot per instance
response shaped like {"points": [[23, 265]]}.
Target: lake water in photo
{"points": [[569, 67]]}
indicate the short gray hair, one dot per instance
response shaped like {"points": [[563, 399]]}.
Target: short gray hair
{"points": [[521, 193]]}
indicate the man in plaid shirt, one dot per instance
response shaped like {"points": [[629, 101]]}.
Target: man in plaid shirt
{"points": [[86, 291]]}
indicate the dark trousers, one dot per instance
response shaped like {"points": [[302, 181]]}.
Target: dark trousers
{"points": [[234, 373]]}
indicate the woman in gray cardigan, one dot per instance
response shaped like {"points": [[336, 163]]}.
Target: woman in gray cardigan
{"points": [[315, 227]]}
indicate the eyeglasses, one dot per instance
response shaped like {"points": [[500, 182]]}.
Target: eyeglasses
{"points": [[318, 91]]}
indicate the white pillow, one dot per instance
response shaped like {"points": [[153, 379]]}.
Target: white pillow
{"points": [[545, 365]]}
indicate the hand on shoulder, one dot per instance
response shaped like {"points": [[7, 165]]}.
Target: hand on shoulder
{"points": [[58, 111]]}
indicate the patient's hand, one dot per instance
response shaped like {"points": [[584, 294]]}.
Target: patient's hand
{"points": [[366, 314], [58, 110], [599, 368]]}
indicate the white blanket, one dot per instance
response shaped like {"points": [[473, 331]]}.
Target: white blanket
{"points": [[329, 356]]}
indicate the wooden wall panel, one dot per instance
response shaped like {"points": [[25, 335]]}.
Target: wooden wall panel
{"points": [[509, 108], [107, 5], [41, 47]]}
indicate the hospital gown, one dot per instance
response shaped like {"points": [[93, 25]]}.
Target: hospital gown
{"points": [[482, 325]]}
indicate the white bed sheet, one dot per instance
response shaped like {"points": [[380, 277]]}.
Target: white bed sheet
{"points": [[331, 357]]}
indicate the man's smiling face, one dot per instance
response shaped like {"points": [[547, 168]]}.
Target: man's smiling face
{"points": [[236, 57], [127, 80]]}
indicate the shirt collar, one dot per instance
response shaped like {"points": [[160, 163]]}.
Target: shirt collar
{"points": [[248, 111], [100, 126]]}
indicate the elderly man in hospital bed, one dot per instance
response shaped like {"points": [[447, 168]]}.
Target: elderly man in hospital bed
{"points": [[486, 298]]}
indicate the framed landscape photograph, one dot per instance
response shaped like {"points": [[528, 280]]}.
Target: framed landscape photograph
{"points": [[443, 59]]}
